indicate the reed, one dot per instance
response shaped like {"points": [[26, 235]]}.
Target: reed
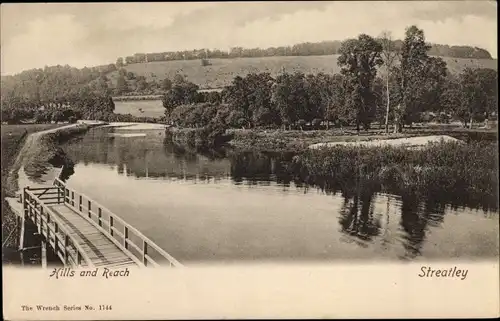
{"points": [[454, 170]]}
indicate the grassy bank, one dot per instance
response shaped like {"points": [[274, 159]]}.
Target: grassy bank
{"points": [[23, 145], [137, 97], [13, 138], [296, 140], [200, 139], [463, 174]]}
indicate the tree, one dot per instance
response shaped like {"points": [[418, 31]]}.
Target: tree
{"points": [[119, 62], [166, 84], [290, 97], [122, 72], [142, 84], [474, 96], [57, 116], [358, 60], [121, 85], [389, 55], [412, 77], [102, 85], [182, 92], [488, 81], [335, 98], [251, 97]]}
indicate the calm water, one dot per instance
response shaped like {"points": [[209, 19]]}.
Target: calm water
{"points": [[242, 207]]}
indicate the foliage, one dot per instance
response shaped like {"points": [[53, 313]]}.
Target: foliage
{"points": [[472, 96], [469, 170], [418, 80], [182, 92], [358, 60]]}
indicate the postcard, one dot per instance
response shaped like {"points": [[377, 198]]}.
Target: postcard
{"points": [[247, 160]]}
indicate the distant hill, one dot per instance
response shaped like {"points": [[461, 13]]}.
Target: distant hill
{"points": [[221, 72], [299, 49]]}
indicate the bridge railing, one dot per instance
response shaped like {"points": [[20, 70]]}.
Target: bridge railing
{"points": [[35, 204], [143, 250]]}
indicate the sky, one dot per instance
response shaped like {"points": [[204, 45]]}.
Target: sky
{"points": [[88, 34]]}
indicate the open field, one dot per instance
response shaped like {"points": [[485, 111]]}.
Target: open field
{"points": [[150, 108], [222, 71]]}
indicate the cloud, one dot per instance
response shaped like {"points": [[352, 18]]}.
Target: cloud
{"points": [[34, 35], [46, 41], [151, 16]]}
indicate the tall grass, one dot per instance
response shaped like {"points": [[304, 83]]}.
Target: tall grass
{"points": [[463, 174]]}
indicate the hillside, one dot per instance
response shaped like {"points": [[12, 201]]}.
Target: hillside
{"points": [[222, 71]]}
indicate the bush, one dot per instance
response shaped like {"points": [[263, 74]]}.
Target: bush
{"points": [[316, 123], [443, 118], [301, 123]]}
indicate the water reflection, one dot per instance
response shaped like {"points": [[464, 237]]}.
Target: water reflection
{"points": [[394, 223], [356, 216]]}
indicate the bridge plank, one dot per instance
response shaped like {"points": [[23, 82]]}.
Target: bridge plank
{"points": [[99, 248]]}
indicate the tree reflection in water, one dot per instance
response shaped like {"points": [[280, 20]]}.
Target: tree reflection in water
{"points": [[356, 216]]}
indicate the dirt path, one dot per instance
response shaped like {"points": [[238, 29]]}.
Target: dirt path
{"points": [[17, 170]]}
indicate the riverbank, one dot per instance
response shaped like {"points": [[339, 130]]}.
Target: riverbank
{"points": [[137, 97], [409, 142], [32, 159], [13, 137], [296, 140], [463, 174]]}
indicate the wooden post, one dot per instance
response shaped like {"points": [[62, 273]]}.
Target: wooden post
{"points": [[144, 252], [80, 203], [73, 198], [111, 225], [99, 216], [40, 230], [89, 208], [56, 245], [23, 225], [125, 236], [48, 228], [66, 239], [44, 254], [58, 195]]}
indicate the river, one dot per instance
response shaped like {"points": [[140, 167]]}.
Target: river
{"points": [[243, 208]]}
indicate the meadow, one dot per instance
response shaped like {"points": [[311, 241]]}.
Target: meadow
{"points": [[221, 72], [150, 108]]}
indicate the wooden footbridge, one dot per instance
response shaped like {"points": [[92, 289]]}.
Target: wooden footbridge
{"points": [[83, 233]]}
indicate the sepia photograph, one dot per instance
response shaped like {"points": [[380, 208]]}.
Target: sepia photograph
{"points": [[247, 134]]}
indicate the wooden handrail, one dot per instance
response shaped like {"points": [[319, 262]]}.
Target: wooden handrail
{"points": [[113, 218], [51, 216]]}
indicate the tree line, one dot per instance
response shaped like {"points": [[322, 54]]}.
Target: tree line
{"points": [[59, 93], [414, 85], [301, 49]]}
